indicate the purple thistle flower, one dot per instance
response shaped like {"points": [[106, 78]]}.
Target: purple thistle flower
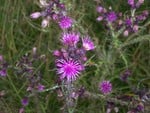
{"points": [[25, 101], [105, 87], [111, 16], [3, 72], [68, 69], [40, 87], [131, 3], [70, 38], [87, 43], [65, 22], [128, 22]]}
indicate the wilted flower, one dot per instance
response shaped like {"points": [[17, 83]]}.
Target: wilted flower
{"points": [[70, 38], [105, 87], [68, 69], [87, 43], [65, 22]]}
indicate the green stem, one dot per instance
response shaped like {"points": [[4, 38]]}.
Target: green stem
{"points": [[13, 86]]}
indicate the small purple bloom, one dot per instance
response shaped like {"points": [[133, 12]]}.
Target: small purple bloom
{"points": [[3, 72], [105, 87], [25, 101], [57, 53], [65, 22], [40, 87], [87, 43], [140, 107], [99, 9], [111, 16], [128, 22], [54, 16], [70, 38], [131, 3], [68, 69]]}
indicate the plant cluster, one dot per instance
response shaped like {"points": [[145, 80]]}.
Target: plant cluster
{"points": [[72, 60]]}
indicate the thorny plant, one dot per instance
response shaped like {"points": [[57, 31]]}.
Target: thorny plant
{"points": [[71, 59]]}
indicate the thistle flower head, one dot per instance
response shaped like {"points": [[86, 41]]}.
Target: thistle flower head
{"points": [[87, 43], [40, 87], [128, 22], [70, 38], [68, 69], [25, 101], [65, 22], [105, 87], [111, 16]]}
